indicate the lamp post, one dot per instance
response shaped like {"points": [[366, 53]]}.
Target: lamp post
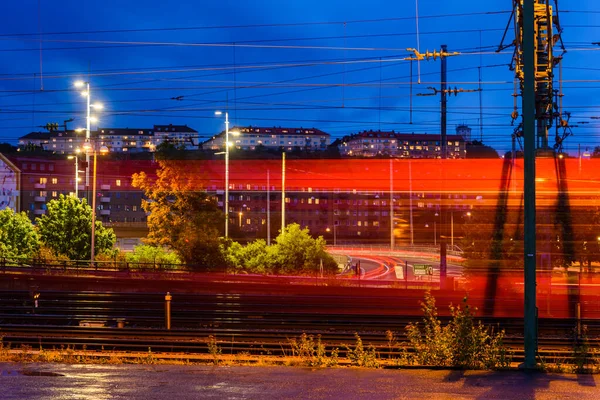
{"points": [[76, 157], [334, 234], [226, 202], [435, 230], [88, 94], [103, 150]]}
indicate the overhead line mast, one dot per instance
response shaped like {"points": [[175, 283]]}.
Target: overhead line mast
{"points": [[533, 62]]}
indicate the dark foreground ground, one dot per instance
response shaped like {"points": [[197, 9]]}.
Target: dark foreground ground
{"points": [[58, 381]]}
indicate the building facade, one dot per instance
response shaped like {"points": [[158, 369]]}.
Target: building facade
{"points": [[117, 140], [401, 145], [10, 185], [181, 135], [276, 138]]}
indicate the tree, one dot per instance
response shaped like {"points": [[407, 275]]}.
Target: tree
{"points": [[18, 237], [66, 228], [182, 216], [477, 149], [7, 148], [296, 251]]}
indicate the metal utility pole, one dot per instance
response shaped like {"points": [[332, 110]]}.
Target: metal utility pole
{"points": [[444, 104], [282, 192], [268, 207], [392, 244], [529, 133], [444, 148], [444, 91]]}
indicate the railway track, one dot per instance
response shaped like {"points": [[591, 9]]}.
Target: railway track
{"points": [[237, 323], [95, 341]]}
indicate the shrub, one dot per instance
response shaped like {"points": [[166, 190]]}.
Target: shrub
{"points": [[462, 343], [153, 257]]}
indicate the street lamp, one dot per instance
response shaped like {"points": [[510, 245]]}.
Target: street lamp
{"points": [[88, 94], [435, 230], [334, 234], [76, 157], [103, 150], [227, 144]]}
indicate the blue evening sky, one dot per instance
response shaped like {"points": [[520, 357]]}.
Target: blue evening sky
{"points": [[334, 65]]}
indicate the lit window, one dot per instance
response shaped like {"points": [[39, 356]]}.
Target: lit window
{"points": [[118, 182], [54, 194], [54, 181], [43, 181], [134, 208]]}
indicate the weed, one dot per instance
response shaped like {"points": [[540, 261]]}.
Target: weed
{"points": [[462, 343], [213, 349], [362, 357], [312, 352]]}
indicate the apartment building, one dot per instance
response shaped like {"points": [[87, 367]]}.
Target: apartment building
{"points": [[401, 145], [117, 140], [286, 139]]}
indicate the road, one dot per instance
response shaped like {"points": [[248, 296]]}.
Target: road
{"points": [[148, 382], [381, 265]]}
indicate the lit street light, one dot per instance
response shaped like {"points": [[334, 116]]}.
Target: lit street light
{"points": [[76, 157], [227, 144], [88, 94], [103, 150]]}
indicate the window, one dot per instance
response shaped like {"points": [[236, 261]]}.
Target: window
{"points": [[134, 208], [54, 194], [118, 182], [54, 181], [43, 181]]}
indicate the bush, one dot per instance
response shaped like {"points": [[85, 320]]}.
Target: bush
{"points": [[312, 352], [462, 343], [362, 357], [295, 252], [153, 257]]}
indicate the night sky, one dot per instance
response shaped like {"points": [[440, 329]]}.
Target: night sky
{"points": [[334, 65]]}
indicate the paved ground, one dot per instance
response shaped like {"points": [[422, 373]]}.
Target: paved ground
{"points": [[35, 381]]}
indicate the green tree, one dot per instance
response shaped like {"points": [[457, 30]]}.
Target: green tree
{"points": [[182, 216], [66, 228], [18, 237], [255, 257], [296, 251]]}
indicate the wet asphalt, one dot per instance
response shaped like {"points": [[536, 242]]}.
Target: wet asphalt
{"points": [[174, 382]]}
